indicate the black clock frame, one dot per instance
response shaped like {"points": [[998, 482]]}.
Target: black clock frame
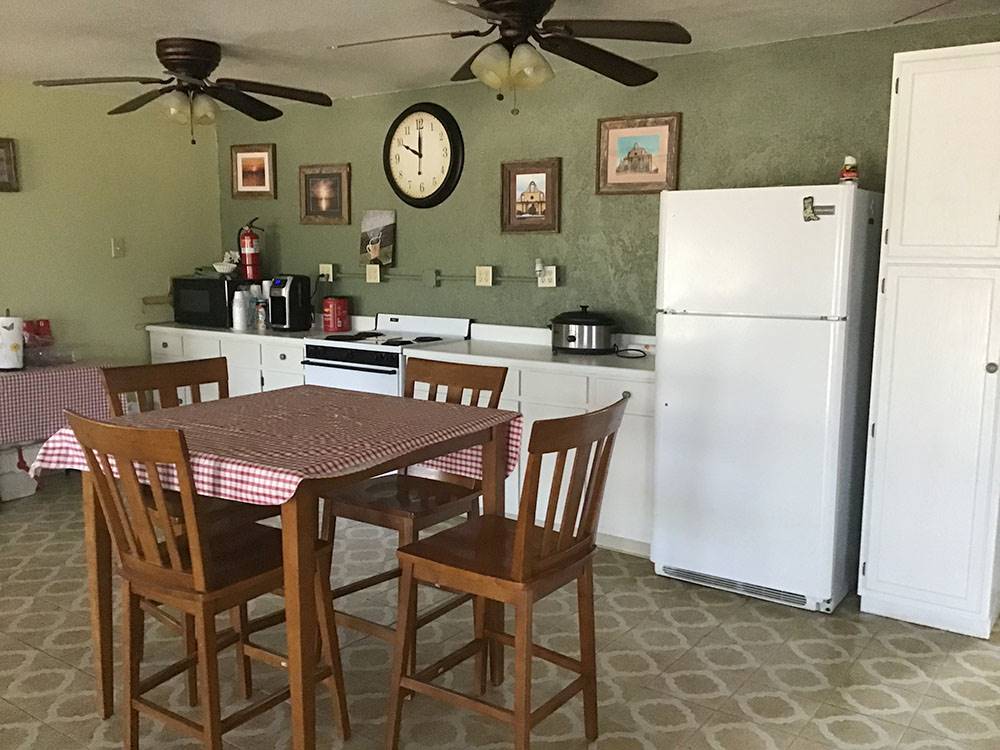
{"points": [[451, 179]]}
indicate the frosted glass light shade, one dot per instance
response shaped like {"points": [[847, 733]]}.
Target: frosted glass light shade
{"points": [[492, 67], [177, 107], [528, 68], [204, 109]]}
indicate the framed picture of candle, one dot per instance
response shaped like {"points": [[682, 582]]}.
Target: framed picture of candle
{"points": [[325, 194]]}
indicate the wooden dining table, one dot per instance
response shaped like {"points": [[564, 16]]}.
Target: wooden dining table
{"points": [[290, 448]]}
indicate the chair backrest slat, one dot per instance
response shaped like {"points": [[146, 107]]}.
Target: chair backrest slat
{"points": [[455, 379], [590, 438], [156, 531], [164, 380]]}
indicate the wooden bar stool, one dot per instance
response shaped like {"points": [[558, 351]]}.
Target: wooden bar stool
{"points": [[517, 562], [408, 504], [159, 384], [178, 561]]}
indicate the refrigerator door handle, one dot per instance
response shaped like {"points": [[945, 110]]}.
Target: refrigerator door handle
{"points": [[700, 314]]}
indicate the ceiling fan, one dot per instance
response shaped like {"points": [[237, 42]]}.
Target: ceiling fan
{"points": [[187, 64], [512, 61]]}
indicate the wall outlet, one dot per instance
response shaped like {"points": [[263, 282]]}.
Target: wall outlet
{"points": [[547, 279], [117, 247], [373, 273], [484, 275], [431, 277], [326, 269]]}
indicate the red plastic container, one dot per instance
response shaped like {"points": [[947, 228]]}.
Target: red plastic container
{"points": [[336, 315]]}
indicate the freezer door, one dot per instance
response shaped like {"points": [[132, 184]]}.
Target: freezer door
{"points": [[747, 446], [753, 251]]}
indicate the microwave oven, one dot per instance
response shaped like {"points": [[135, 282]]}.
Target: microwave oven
{"points": [[204, 300]]}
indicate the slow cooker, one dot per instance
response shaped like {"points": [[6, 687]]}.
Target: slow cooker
{"points": [[582, 332]]}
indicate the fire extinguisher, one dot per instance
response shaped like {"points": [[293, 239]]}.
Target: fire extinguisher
{"points": [[250, 243]]}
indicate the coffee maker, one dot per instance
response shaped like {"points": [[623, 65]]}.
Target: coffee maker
{"points": [[290, 303]]}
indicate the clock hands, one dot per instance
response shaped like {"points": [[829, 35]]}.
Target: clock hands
{"points": [[412, 151], [420, 148]]}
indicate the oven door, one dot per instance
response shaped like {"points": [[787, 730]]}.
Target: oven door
{"points": [[354, 370]]}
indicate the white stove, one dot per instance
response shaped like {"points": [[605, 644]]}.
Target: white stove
{"points": [[372, 361]]}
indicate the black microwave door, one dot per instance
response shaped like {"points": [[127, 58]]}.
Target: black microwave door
{"points": [[202, 302]]}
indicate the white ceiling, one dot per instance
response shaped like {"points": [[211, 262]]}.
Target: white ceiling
{"points": [[287, 41]]}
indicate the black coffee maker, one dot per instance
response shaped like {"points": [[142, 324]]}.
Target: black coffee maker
{"points": [[290, 303]]}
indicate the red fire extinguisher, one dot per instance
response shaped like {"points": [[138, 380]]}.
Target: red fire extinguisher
{"points": [[250, 246]]}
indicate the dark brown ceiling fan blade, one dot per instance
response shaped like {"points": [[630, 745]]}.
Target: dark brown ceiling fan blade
{"points": [[922, 12], [244, 103], [408, 37], [474, 10], [599, 60], [284, 92], [141, 101], [465, 72], [109, 79], [640, 31]]}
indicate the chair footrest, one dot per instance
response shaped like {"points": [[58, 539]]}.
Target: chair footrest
{"points": [[540, 652], [458, 699]]}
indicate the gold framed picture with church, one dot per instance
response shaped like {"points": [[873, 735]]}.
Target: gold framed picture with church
{"points": [[530, 195], [637, 154]]}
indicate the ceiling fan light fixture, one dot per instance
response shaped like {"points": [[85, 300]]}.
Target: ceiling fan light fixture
{"points": [[177, 106], [204, 110], [492, 67], [528, 68]]}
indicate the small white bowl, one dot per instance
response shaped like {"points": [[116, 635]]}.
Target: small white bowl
{"points": [[224, 267]]}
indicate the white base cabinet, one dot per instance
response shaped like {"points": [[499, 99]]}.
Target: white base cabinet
{"points": [[930, 533]]}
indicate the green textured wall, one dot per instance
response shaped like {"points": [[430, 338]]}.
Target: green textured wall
{"points": [[85, 178], [778, 114]]}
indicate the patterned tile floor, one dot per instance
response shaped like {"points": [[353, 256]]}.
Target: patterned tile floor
{"points": [[680, 666]]}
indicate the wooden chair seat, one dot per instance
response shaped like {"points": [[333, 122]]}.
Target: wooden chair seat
{"points": [[404, 497]]}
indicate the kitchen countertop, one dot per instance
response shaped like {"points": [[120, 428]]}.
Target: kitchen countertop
{"points": [[502, 353], [315, 332]]}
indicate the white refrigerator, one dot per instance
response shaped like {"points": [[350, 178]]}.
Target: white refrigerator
{"points": [[765, 319]]}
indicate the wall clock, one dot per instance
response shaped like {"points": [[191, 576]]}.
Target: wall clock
{"points": [[423, 155]]}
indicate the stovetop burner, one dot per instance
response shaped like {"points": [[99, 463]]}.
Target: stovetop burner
{"points": [[397, 342], [358, 336], [426, 339]]}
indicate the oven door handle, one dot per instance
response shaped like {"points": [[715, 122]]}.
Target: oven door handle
{"points": [[353, 368]]}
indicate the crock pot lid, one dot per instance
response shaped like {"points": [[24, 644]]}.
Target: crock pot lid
{"points": [[583, 316]]}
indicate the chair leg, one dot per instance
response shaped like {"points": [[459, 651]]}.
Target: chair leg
{"points": [[191, 648], [208, 674], [331, 651], [473, 510], [244, 670], [588, 650], [133, 636], [405, 622], [479, 623], [408, 535], [522, 673]]}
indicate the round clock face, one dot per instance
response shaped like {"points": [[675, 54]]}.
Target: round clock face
{"points": [[423, 155]]}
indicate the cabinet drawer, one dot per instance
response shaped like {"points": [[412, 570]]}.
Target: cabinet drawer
{"points": [[282, 357], [165, 345], [201, 347], [551, 388], [241, 353], [605, 391], [273, 380]]}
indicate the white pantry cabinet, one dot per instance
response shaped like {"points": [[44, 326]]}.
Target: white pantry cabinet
{"points": [[930, 529]]}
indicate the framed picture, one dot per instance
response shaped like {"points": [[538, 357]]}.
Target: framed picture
{"points": [[8, 166], [637, 154], [253, 171], [325, 194], [530, 195]]}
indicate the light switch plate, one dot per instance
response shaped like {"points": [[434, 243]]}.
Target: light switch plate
{"points": [[326, 269], [117, 247], [548, 278], [373, 273], [484, 275]]}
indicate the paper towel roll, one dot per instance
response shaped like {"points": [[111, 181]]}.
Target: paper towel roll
{"points": [[11, 343]]}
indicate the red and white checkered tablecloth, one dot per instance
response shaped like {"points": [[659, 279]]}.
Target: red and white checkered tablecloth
{"points": [[257, 449], [32, 400]]}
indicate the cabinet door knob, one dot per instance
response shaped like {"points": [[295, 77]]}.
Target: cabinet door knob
{"points": [[164, 344], [626, 394], [992, 368], [282, 357]]}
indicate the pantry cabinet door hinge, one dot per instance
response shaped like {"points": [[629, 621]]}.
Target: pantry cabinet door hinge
{"points": [[873, 430], [897, 84], [262, 381], [886, 240], [883, 285], [864, 569]]}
